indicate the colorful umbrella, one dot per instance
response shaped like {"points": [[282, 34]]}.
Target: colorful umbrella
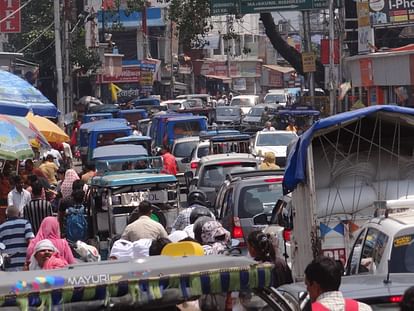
{"points": [[52, 132], [13, 143], [18, 97], [36, 138]]}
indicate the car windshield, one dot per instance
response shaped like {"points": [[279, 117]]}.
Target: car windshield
{"points": [[275, 139], [186, 128], [202, 151], [183, 150], [274, 98], [227, 111], [214, 175], [259, 199], [256, 112], [242, 102], [402, 255]]}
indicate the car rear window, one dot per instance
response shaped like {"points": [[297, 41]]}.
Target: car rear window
{"points": [[202, 151], [214, 175], [275, 139], [402, 255], [259, 199], [183, 150], [186, 128]]}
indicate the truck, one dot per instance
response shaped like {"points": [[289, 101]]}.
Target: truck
{"points": [[336, 173]]}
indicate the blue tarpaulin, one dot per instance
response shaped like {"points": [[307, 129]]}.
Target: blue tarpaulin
{"points": [[295, 171]]}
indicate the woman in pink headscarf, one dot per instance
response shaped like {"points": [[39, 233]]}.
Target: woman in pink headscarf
{"points": [[50, 229], [66, 186]]}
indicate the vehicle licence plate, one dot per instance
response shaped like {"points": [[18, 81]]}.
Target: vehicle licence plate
{"points": [[160, 196]]}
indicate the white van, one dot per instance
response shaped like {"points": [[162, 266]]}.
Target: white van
{"points": [[278, 96]]}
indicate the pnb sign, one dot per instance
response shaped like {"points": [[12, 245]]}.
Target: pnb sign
{"points": [[384, 13], [13, 23]]}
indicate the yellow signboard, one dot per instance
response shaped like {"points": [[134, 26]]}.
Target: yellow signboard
{"points": [[363, 14], [308, 62]]}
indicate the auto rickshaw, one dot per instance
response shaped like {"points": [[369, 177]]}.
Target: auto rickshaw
{"points": [[144, 141], [301, 117], [133, 115], [115, 195], [147, 283], [96, 117]]}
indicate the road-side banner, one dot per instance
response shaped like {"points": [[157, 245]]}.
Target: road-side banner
{"points": [[391, 13]]}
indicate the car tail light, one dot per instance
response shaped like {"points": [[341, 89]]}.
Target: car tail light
{"points": [[237, 232], [194, 165], [273, 180], [286, 235], [395, 299]]}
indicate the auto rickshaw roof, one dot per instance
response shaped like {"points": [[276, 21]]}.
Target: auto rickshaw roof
{"points": [[229, 138], [119, 152], [211, 133], [131, 111], [131, 138], [103, 123], [110, 126], [127, 178], [144, 280]]}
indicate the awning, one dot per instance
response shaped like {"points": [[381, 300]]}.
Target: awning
{"points": [[224, 79], [281, 69]]}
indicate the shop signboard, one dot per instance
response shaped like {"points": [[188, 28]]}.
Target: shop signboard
{"points": [[308, 62], [13, 23], [385, 13], [239, 84], [224, 7], [128, 74]]}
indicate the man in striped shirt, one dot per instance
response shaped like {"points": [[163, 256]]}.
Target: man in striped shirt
{"points": [[15, 234], [37, 209]]}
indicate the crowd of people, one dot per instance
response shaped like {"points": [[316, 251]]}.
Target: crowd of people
{"points": [[40, 200]]}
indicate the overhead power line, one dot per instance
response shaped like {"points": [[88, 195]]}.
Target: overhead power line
{"points": [[14, 12], [37, 38]]}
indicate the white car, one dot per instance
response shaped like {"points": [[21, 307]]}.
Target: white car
{"points": [[385, 244], [182, 150], [273, 141], [174, 104], [245, 102], [279, 97], [201, 150]]}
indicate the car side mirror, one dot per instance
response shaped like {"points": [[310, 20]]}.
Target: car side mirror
{"points": [[260, 219]]}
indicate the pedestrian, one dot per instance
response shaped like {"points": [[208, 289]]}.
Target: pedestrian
{"points": [[46, 257], [67, 151], [291, 126], [269, 162], [407, 302], [29, 169], [157, 246], [195, 199], [268, 127], [211, 235], [18, 197], [90, 172], [49, 229], [323, 279], [66, 186], [265, 115], [15, 234], [5, 188], [69, 201], [261, 248], [49, 169], [144, 227], [38, 208], [170, 163]]}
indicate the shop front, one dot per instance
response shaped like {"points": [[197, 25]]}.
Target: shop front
{"points": [[383, 77]]}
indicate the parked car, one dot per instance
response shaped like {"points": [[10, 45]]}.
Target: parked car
{"points": [[252, 122], [212, 170], [245, 102], [182, 149], [277, 96], [385, 244], [229, 116], [201, 150], [245, 195], [373, 290], [274, 141], [174, 104]]}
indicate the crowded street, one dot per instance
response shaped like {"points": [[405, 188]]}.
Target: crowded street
{"points": [[206, 155]]}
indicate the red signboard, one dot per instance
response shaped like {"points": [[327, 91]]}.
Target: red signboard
{"points": [[367, 77], [325, 51], [128, 75], [13, 23]]}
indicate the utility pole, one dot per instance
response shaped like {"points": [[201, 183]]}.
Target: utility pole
{"points": [[58, 52], [228, 21], [332, 78], [172, 61], [308, 48], [66, 50]]}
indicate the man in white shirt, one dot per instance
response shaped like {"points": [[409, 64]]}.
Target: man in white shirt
{"points": [[144, 227], [57, 157], [18, 197], [268, 127]]}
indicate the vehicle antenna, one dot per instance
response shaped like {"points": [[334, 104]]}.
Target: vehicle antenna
{"points": [[387, 280]]}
